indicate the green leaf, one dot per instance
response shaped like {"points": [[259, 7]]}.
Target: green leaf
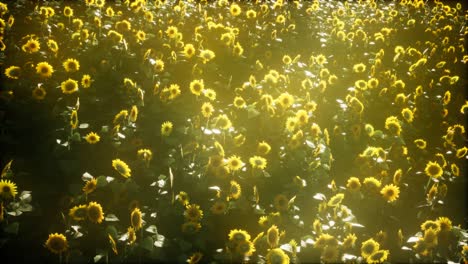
{"points": [[12, 228], [101, 181], [147, 243], [111, 230]]}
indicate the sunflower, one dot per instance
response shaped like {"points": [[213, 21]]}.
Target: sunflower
{"points": [[349, 241], [430, 224], [420, 143], [218, 208], [183, 198], [378, 256], [207, 55], [251, 14], [455, 169], [52, 45], [191, 227], [145, 155], [95, 213], [13, 72], [273, 236], [210, 94], [281, 202], [277, 255], [369, 247], [393, 125], [353, 184], [121, 167], [195, 258], [158, 65], [330, 254], [140, 35], [446, 99], [133, 114], [172, 31], [238, 235], [39, 93], [90, 186], [71, 65], [193, 213], [131, 235], [461, 152], [57, 243], [31, 46], [196, 87], [238, 50], [372, 184], [235, 190], [263, 148], [235, 9], [207, 109], [69, 86], [407, 115], [7, 189], [135, 219], [239, 102], [120, 117], [430, 237], [336, 200], [86, 81], [325, 240], [113, 244], [223, 122], [390, 192], [44, 69], [285, 100], [68, 11], [123, 26], [444, 223], [234, 163], [78, 213], [258, 162], [360, 67], [92, 138], [166, 128], [433, 169], [189, 50], [245, 248]]}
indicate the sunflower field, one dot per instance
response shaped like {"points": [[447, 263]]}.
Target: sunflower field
{"points": [[268, 131]]}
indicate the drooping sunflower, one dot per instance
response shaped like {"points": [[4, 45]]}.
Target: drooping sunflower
{"points": [[235, 190], [122, 168], [90, 186], [433, 169], [368, 247], [245, 248], [13, 72], [39, 93], [207, 109], [191, 227], [371, 184], [393, 125], [258, 162], [223, 122], [281, 202], [330, 254], [390, 192], [420, 143], [273, 236], [7, 189], [336, 200], [277, 255], [44, 69], [133, 114], [193, 213], [113, 244], [69, 86], [131, 235], [57, 243], [135, 219], [71, 65], [234, 163], [195, 258], [95, 213], [378, 256], [92, 138], [145, 155], [120, 117], [166, 128], [78, 213], [430, 238], [263, 148]]}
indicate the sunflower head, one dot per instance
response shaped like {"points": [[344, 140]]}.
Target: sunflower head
{"points": [[78, 213], [90, 186], [166, 128], [44, 69], [95, 213], [7, 189], [273, 236], [121, 167], [56, 243], [238, 235], [218, 208], [277, 255], [136, 219], [193, 213], [71, 65], [368, 247], [92, 138], [390, 192]]}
